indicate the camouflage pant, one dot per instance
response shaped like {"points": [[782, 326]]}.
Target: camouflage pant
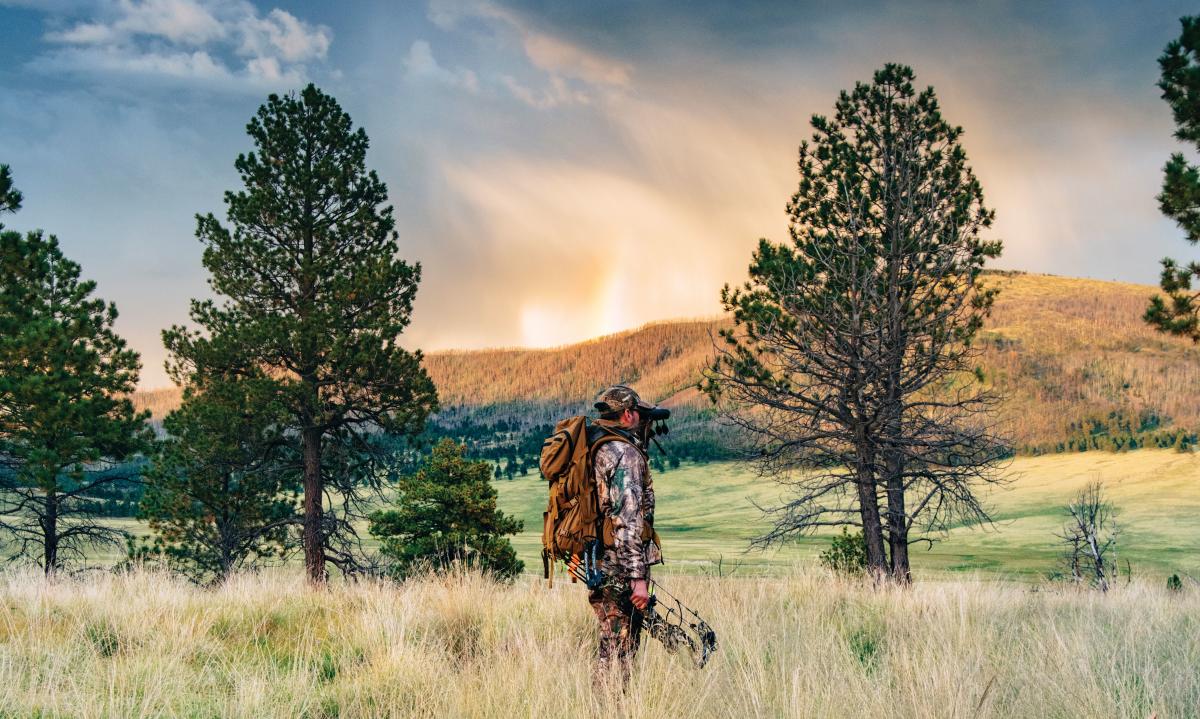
{"points": [[620, 631]]}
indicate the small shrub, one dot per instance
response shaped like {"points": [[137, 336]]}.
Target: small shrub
{"points": [[847, 553], [329, 668], [330, 708], [865, 644], [103, 639], [445, 516], [1174, 583]]}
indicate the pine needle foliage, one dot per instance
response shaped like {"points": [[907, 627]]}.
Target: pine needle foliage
{"points": [[847, 553], [10, 197], [222, 493], [1179, 312]]}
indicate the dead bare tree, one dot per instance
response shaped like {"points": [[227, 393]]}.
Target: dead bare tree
{"points": [[850, 361], [56, 524], [1090, 536]]}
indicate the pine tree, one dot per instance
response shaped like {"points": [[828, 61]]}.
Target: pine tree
{"points": [[849, 360], [10, 198], [314, 298], [1179, 313], [222, 491], [446, 514], [66, 422]]}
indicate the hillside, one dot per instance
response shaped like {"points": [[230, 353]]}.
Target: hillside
{"points": [[1078, 367]]}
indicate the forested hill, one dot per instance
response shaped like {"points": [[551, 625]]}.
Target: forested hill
{"points": [[1079, 368], [661, 360]]}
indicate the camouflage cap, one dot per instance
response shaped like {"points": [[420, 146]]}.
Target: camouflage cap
{"points": [[619, 398]]}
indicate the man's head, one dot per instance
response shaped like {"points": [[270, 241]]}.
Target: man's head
{"points": [[621, 404]]}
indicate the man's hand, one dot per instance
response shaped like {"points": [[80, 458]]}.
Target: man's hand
{"points": [[641, 596]]}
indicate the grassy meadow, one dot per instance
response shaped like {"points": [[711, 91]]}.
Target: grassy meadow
{"points": [[707, 513], [801, 644], [980, 634], [707, 516]]}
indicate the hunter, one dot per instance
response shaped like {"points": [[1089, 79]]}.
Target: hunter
{"points": [[626, 504]]}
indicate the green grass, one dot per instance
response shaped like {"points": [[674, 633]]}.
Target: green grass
{"points": [[706, 514]]}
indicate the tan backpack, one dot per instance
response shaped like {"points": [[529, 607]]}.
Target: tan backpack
{"points": [[572, 528]]}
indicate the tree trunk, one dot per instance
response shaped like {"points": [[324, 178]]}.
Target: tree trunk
{"points": [[50, 534], [314, 539], [868, 505], [225, 547], [897, 520], [898, 339], [1097, 560]]}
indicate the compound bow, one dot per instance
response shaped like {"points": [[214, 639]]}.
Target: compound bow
{"points": [[676, 627]]}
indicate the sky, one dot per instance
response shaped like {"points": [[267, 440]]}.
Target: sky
{"points": [[563, 170]]}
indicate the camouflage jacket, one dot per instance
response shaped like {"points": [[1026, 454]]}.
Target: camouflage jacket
{"points": [[626, 495]]}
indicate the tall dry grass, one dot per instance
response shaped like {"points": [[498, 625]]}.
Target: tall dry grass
{"points": [[804, 645]]}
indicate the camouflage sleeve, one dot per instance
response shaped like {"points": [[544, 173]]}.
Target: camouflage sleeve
{"points": [[603, 465], [624, 500]]}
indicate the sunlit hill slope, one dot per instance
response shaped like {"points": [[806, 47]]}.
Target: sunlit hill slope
{"points": [[1078, 367]]}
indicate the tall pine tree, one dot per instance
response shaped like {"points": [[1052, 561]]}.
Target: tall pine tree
{"points": [[315, 299], [850, 361], [1179, 312], [65, 417]]}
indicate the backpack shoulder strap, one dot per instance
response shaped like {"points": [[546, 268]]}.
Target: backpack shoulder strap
{"points": [[604, 439]]}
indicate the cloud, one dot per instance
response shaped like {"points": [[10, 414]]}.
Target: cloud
{"points": [[197, 65], [664, 145], [183, 22], [563, 64], [562, 58], [282, 34], [449, 14], [421, 65], [180, 21], [268, 71], [654, 194], [50, 5], [87, 33], [220, 43], [556, 92], [611, 247]]}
